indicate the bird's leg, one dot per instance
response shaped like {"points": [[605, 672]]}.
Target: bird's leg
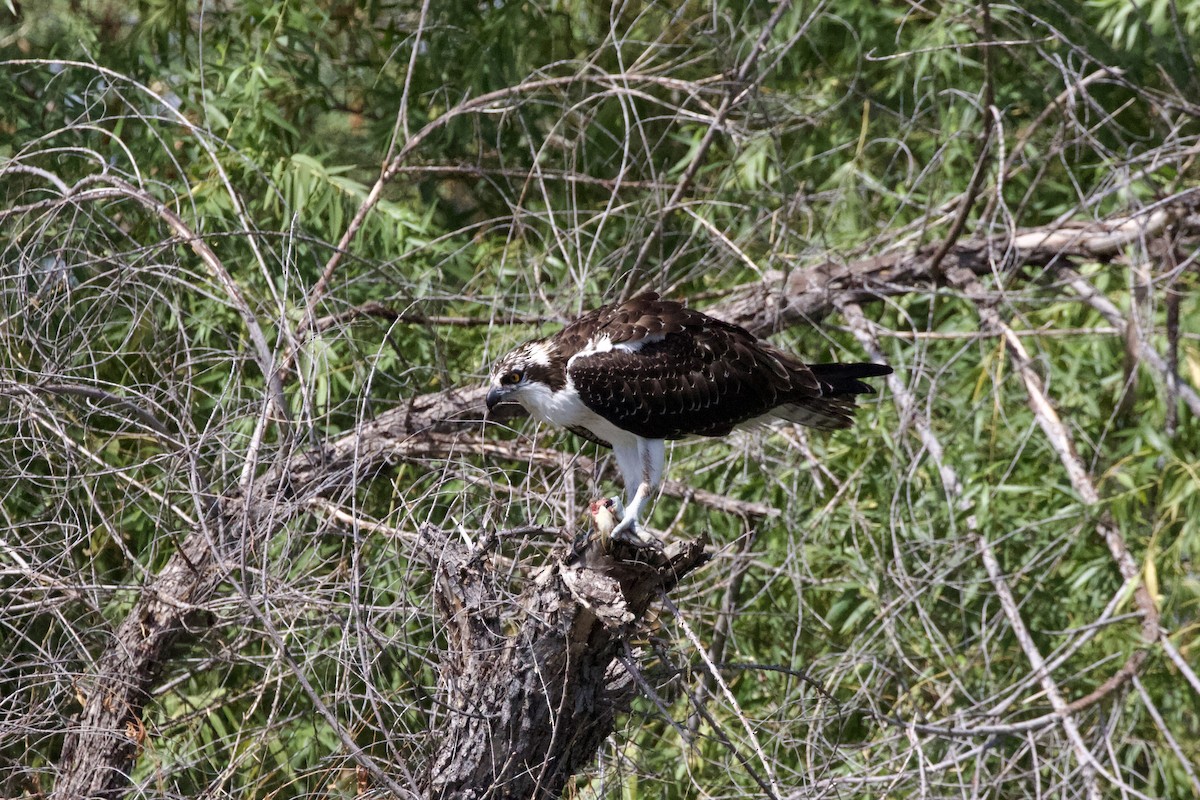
{"points": [[627, 528], [651, 456]]}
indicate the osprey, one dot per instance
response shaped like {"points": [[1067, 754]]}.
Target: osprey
{"points": [[632, 375]]}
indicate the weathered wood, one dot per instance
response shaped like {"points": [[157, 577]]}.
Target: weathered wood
{"points": [[101, 747], [100, 750], [569, 632], [802, 296], [533, 687]]}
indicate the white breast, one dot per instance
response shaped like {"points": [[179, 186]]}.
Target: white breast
{"points": [[565, 409]]}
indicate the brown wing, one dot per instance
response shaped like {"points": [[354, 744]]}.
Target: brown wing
{"points": [[693, 374], [644, 315]]}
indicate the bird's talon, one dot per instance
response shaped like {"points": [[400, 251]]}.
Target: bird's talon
{"points": [[629, 534], [649, 543], [576, 380], [624, 534]]}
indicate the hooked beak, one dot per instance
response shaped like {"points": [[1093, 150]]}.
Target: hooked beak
{"points": [[495, 395], [501, 405]]}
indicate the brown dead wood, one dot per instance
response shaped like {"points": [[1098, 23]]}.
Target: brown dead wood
{"points": [[574, 613]]}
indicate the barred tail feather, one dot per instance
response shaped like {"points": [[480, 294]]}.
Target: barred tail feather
{"points": [[835, 407], [825, 413]]}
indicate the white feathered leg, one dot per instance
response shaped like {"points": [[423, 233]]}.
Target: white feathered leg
{"points": [[641, 462]]}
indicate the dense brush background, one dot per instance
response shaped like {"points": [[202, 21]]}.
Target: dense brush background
{"points": [[878, 600]]}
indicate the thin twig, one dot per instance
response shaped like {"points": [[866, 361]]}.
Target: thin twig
{"points": [[737, 90], [1090, 295], [1087, 761], [699, 648], [1184, 761], [1062, 442]]}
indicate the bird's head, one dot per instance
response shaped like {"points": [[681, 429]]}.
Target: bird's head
{"points": [[525, 375], [605, 512]]}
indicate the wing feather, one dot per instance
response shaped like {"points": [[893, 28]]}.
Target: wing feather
{"points": [[692, 374], [684, 373]]}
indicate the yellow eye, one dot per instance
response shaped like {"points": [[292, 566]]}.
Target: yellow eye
{"points": [[511, 378]]}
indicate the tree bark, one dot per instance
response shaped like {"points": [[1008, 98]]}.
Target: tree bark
{"points": [[100, 749], [529, 709]]}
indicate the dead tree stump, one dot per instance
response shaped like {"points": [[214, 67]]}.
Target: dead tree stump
{"points": [[529, 698]]}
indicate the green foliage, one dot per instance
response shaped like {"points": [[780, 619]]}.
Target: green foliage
{"points": [[1133, 24], [865, 605]]}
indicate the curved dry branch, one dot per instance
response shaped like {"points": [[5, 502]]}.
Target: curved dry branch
{"points": [[487, 101], [120, 189], [97, 750], [1062, 442], [807, 295], [735, 94]]}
